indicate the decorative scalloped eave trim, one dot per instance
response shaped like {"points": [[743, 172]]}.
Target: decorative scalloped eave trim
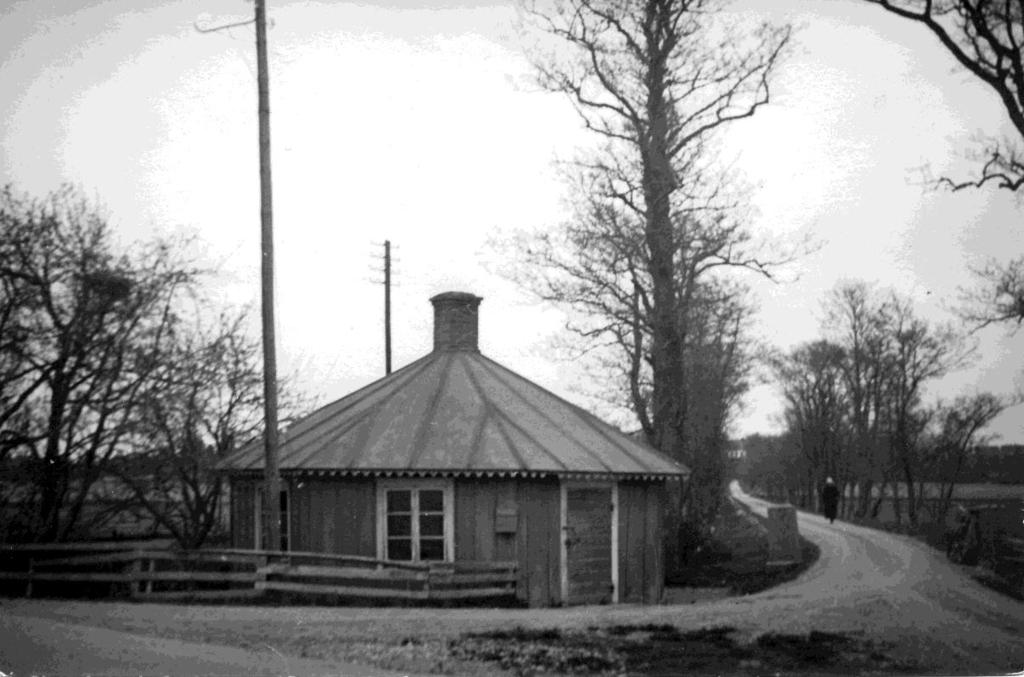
{"points": [[507, 474]]}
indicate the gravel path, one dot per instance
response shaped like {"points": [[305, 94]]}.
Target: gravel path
{"points": [[873, 585]]}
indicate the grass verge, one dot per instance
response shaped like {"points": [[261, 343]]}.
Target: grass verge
{"points": [[667, 650], [736, 558]]}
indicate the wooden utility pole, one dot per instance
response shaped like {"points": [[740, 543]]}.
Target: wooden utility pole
{"points": [[387, 307], [272, 479]]}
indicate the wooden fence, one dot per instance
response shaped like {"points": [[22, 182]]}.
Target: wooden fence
{"points": [[143, 572], [1011, 549], [1006, 558]]}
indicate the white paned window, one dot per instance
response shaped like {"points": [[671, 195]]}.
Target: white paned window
{"points": [[415, 520]]}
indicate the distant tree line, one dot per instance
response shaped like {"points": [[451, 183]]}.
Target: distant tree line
{"points": [[768, 462], [856, 410], [1002, 464], [120, 387]]}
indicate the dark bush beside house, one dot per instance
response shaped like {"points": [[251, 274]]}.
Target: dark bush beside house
{"points": [[455, 458]]}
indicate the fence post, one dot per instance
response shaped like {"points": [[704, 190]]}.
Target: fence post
{"points": [[260, 577], [134, 572], [150, 568], [28, 586]]}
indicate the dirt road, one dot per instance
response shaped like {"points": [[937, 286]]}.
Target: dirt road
{"points": [[893, 586], [867, 584]]}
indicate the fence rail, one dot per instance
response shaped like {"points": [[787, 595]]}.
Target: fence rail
{"points": [[149, 573], [1010, 548]]}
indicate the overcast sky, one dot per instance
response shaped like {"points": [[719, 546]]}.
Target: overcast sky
{"points": [[392, 120]]}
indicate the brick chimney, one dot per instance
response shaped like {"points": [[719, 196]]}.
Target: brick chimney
{"points": [[455, 321]]}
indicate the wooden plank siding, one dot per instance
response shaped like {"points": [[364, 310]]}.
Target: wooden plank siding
{"points": [[641, 566], [243, 513], [655, 545], [332, 516], [495, 520], [632, 564], [535, 542], [538, 543], [589, 550], [476, 509]]}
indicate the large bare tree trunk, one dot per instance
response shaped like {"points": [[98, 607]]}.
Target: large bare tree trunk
{"points": [[654, 80], [667, 344]]}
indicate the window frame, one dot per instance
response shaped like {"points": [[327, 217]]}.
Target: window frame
{"points": [[284, 518], [415, 485]]}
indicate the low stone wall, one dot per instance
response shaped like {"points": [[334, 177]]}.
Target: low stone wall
{"points": [[783, 535]]}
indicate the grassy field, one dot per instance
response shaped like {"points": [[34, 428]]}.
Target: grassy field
{"points": [[1004, 504], [985, 491], [990, 491]]}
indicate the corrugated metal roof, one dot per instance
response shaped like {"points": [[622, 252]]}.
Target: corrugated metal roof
{"points": [[457, 413]]}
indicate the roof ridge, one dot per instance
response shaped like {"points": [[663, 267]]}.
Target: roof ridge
{"points": [[543, 414], [361, 442], [419, 436], [503, 420], [588, 416], [491, 411], [338, 431], [287, 438], [478, 433], [397, 382]]}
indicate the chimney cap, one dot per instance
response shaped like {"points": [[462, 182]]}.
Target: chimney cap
{"points": [[455, 296]]}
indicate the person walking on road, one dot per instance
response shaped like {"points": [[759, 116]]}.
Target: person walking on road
{"points": [[830, 500]]}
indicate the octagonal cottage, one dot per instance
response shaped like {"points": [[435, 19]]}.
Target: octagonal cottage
{"points": [[455, 458]]}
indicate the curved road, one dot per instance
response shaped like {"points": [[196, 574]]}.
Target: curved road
{"points": [[867, 583], [895, 587]]}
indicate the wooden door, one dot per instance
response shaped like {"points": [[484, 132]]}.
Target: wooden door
{"points": [[588, 544]]}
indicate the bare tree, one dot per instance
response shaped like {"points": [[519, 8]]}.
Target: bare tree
{"points": [[998, 296], [92, 325], [773, 466], [719, 355], [986, 37], [854, 320], [856, 401], [920, 353], [205, 401], [960, 424], [18, 377], [654, 80], [812, 381]]}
